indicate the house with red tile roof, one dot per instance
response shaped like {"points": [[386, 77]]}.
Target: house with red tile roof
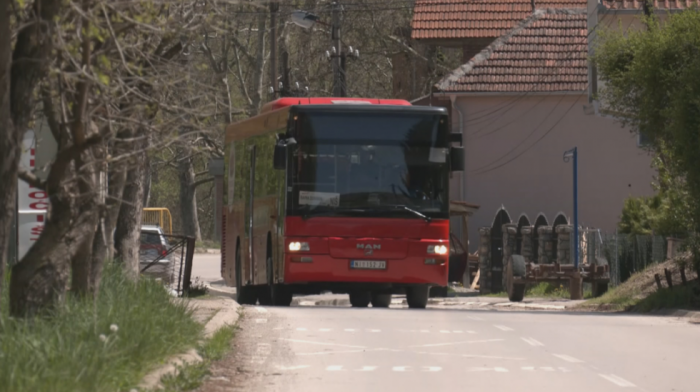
{"points": [[524, 96]]}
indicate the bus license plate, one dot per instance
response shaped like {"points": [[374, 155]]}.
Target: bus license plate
{"points": [[368, 264]]}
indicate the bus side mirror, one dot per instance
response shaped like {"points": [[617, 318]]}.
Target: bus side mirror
{"points": [[280, 157], [456, 159], [456, 138]]}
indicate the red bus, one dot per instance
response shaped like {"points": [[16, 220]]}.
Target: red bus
{"points": [[345, 195]]}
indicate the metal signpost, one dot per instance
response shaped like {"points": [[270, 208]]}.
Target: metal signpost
{"points": [[568, 155]]}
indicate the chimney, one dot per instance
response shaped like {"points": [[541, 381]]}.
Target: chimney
{"points": [[532, 3]]}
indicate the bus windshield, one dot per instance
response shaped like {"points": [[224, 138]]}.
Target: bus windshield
{"points": [[370, 164]]}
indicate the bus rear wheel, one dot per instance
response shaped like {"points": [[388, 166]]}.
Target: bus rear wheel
{"points": [[360, 299], [281, 295], [381, 300], [417, 296], [246, 295]]}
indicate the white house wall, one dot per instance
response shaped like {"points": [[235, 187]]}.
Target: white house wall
{"points": [[539, 128]]}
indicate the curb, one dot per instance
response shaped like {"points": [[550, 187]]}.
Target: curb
{"points": [[227, 314], [693, 316]]}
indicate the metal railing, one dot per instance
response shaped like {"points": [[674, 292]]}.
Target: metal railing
{"points": [[172, 265]]}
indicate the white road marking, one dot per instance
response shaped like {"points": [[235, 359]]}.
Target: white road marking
{"points": [[321, 344], [400, 368], [547, 369], [349, 330], [301, 329], [478, 369], [456, 343], [375, 330], [293, 367], [325, 330], [432, 368], [260, 321], [503, 328], [568, 358], [334, 368], [532, 342], [471, 331], [617, 380], [260, 310], [475, 318], [278, 328], [471, 356], [367, 369], [565, 370], [485, 369], [332, 352]]}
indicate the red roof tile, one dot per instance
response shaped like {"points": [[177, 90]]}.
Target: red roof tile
{"points": [[435, 19], [545, 52], [658, 4]]}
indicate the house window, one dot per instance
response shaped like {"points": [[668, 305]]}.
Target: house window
{"points": [[643, 140]]}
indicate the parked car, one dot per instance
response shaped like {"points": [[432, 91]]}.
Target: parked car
{"points": [[154, 244]]}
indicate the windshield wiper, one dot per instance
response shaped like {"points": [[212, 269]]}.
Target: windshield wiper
{"points": [[414, 212]]}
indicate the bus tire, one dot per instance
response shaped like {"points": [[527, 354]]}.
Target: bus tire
{"points": [[360, 299], [381, 300], [246, 295], [265, 295], [417, 296], [281, 295]]}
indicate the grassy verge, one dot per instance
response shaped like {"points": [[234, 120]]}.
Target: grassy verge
{"points": [[191, 376], [640, 293], [544, 290], [105, 345]]}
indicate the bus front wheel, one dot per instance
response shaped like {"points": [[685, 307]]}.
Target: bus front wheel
{"points": [[417, 296], [360, 299]]}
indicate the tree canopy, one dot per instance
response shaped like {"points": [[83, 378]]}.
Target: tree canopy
{"points": [[651, 81]]}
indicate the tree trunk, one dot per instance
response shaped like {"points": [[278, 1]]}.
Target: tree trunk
{"points": [[259, 64], [9, 142], [39, 280], [103, 243], [188, 197], [147, 182], [128, 230]]}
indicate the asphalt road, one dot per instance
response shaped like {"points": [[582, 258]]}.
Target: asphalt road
{"points": [[343, 349], [207, 267]]}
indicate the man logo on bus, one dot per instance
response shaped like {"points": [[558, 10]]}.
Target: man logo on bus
{"points": [[369, 248]]}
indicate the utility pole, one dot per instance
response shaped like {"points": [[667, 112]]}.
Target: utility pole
{"points": [[343, 86], [337, 61], [274, 7]]}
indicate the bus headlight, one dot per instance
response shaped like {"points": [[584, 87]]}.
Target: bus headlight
{"points": [[297, 246], [437, 249]]}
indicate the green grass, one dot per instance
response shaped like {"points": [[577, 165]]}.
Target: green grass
{"points": [[544, 290], [640, 293], [107, 345], [191, 376]]}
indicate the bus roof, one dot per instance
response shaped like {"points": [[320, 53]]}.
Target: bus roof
{"points": [[284, 102]]}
